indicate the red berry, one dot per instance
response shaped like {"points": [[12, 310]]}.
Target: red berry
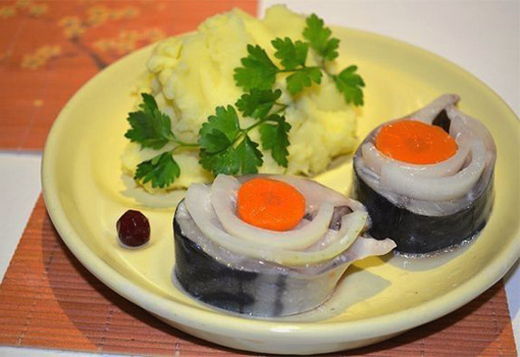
{"points": [[133, 229]]}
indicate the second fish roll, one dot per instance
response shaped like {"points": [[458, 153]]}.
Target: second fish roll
{"points": [[427, 179]]}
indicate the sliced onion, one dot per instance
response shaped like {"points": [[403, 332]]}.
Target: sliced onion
{"points": [[437, 189], [375, 160], [223, 198], [430, 112], [367, 246], [464, 125], [352, 225], [316, 193], [201, 210]]}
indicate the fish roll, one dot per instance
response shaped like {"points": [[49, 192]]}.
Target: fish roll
{"points": [[268, 246], [427, 179]]}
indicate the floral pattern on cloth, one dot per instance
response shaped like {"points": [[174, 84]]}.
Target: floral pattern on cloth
{"points": [[48, 49]]}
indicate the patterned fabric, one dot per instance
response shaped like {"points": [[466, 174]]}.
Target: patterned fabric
{"points": [[48, 49]]}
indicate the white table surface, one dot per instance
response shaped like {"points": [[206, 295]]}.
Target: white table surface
{"points": [[481, 36]]}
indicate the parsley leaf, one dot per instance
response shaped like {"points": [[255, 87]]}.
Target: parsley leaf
{"points": [[330, 51], [224, 162], [275, 137], [319, 38], [303, 78], [258, 70], [224, 121], [216, 137], [350, 84], [161, 170], [258, 103], [249, 156], [214, 141], [217, 151], [244, 159], [149, 127], [291, 54]]}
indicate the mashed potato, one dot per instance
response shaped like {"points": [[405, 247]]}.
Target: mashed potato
{"points": [[192, 74]]}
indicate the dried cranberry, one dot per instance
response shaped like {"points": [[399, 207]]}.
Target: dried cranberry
{"points": [[133, 228]]}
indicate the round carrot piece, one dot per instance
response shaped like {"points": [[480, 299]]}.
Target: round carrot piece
{"points": [[415, 142], [270, 204]]}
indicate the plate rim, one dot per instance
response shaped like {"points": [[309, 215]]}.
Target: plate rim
{"points": [[191, 316]]}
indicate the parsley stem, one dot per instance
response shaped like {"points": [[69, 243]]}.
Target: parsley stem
{"points": [[249, 128], [287, 70], [282, 107], [176, 149], [263, 120], [328, 73], [182, 143], [296, 69]]}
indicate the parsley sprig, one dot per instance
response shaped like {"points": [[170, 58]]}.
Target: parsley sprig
{"points": [[227, 148], [259, 71], [152, 129], [224, 145]]}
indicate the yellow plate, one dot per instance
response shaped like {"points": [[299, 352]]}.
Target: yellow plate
{"points": [[85, 194]]}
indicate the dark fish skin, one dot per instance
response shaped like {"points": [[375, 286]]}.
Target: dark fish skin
{"points": [[260, 289], [208, 280], [442, 120], [419, 234]]}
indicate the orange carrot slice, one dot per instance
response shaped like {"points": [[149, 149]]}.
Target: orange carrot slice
{"points": [[270, 204], [415, 142]]}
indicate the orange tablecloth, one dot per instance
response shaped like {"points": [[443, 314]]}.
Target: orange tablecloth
{"points": [[48, 49]]}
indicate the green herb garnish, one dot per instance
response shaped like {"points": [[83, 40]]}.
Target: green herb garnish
{"points": [[350, 84], [258, 103], [319, 38], [150, 127], [258, 71], [226, 147], [275, 137], [161, 170]]}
